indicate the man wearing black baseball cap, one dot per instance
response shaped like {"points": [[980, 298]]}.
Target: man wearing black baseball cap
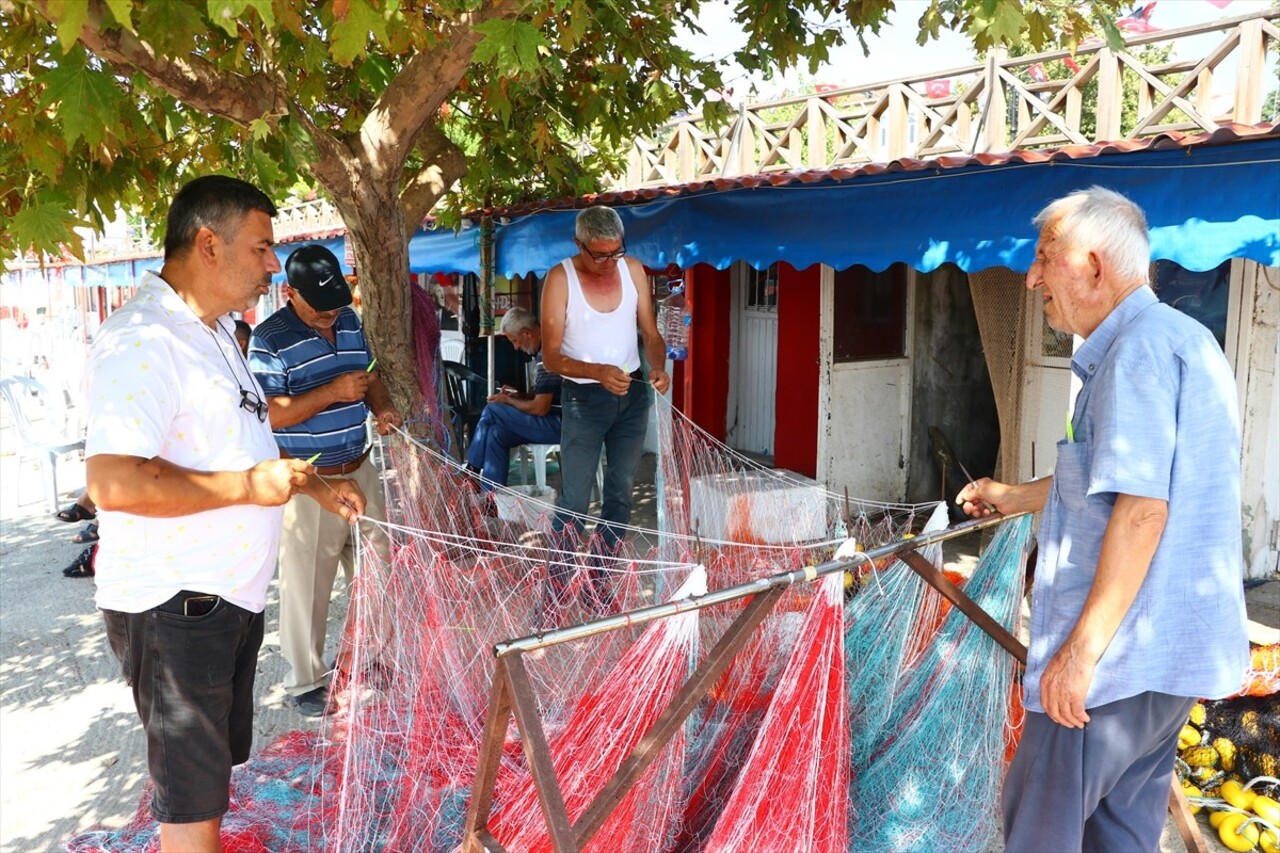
{"points": [[313, 273], [314, 364]]}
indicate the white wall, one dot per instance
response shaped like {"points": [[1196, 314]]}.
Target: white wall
{"points": [[1257, 365]]}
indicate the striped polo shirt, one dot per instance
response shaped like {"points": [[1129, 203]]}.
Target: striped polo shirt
{"points": [[290, 358]]}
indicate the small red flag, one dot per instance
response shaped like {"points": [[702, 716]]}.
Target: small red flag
{"points": [[1139, 20], [937, 88]]}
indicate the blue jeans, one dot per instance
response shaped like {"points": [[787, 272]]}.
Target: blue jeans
{"points": [[595, 420], [501, 428]]}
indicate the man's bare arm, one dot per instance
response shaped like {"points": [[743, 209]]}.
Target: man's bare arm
{"points": [[539, 405], [983, 496], [159, 489], [378, 399], [655, 349]]}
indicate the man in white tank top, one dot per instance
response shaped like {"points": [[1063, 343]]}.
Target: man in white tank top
{"points": [[594, 306]]}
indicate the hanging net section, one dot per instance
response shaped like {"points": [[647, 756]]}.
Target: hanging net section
{"points": [[858, 711]]}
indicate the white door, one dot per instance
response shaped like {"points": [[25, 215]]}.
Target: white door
{"points": [[864, 416], [754, 349]]}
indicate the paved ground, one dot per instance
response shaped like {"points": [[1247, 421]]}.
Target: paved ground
{"points": [[71, 751]]}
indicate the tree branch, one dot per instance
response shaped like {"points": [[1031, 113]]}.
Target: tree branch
{"points": [[391, 130], [193, 80], [446, 163]]}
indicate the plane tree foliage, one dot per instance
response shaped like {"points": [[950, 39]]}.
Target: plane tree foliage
{"points": [[391, 110]]}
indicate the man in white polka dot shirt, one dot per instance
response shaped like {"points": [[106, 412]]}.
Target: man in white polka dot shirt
{"points": [[189, 487]]}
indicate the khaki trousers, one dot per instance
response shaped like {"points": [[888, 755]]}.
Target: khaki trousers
{"points": [[312, 544]]}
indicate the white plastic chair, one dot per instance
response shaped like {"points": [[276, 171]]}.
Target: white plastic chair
{"points": [[40, 426], [453, 349], [539, 454]]}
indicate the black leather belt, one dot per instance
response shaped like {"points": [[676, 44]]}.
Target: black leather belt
{"points": [[344, 468]]}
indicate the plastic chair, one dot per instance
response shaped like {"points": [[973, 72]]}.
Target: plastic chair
{"points": [[38, 437], [453, 349], [539, 454], [465, 404]]}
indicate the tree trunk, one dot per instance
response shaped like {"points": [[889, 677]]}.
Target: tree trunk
{"points": [[382, 262]]}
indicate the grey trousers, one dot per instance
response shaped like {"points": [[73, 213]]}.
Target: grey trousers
{"points": [[313, 543], [1101, 788]]}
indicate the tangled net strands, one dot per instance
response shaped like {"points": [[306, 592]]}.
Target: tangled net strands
{"points": [[792, 792], [931, 782], [883, 638], [601, 732], [393, 768]]}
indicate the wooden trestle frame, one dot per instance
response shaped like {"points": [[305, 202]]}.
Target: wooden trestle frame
{"points": [[512, 694]]}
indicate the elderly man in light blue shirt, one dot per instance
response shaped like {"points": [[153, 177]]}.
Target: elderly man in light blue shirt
{"points": [[1138, 603]]}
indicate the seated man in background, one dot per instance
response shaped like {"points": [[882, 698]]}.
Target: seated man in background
{"points": [[511, 418]]}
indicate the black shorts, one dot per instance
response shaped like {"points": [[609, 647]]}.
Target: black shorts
{"points": [[192, 679]]}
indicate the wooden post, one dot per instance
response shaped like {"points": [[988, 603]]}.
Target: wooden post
{"points": [[1180, 810], [994, 119], [1251, 73], [490, 759], [897, 118], [816, 125], [966, 605], [525, 707], [1110, 97]]}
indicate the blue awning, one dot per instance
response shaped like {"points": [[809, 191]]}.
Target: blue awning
{"points": [[1204, 204], [443, 250]]}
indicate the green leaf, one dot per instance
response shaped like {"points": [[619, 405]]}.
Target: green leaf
{"points": [[579, 20], [86, 100], [1040, 29], [1007, 23], [351, 32], [265, 12], [44, 224], [1115, 40], [512, 46], [260, 129], [226, 13], [173, 26], [122, 11], [70, 18]]}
